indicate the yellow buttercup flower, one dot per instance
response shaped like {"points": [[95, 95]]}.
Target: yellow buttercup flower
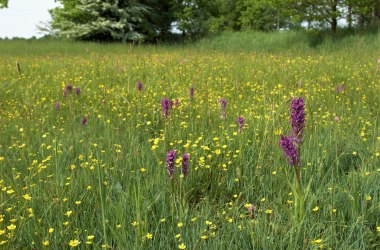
{"points": [[74, 243]]}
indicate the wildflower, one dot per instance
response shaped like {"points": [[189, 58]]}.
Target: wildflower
{"points": [[191, 93], [182, 246], [290, 151], [74, 243], [84, 120], [69, 88], [139, 86], [11, 227], [57, 106], [45, 243], [185, 164], [337, 118], [240, 121], [176, 102], [340, 88], [165, 105], [27, 197], [297, 117], [170, 163], [250, 207], [316, 242], [51, 230], [149, 236], [223, 105], [77, 90], [180, 224]]}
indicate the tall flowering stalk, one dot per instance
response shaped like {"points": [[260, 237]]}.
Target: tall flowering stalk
{"points": [[297, 117], [191, 93], [165, 105], [84, 120], [57, 106], [139, 86], [291, 146], [170, 163], [240, 122], [223, 106], [185, 165]]}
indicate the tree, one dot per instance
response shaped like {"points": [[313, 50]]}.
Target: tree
{"points": [[364, 12], [192, 16], [263, 15], [317, 11], [3, 4], [99, 20], [158, 23]]}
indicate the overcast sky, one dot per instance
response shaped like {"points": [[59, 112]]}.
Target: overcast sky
{"points": [[22, 16]]}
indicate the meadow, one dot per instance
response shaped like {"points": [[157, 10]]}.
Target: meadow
{"points": [[84, 149]]}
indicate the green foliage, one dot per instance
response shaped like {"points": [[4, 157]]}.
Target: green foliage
{"points": [[100, 20], [153, 20], [3, 4], [263, 15]]}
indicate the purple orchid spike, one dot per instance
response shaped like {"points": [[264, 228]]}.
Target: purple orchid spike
{"points": [[139, 86], [290, 151], [170, 163], [240, 122], [84, 120], [185, 164], [297, 117], [57, 106]]}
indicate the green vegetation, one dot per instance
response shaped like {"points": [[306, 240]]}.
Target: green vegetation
{"points": [[102, 181], [153, 20]]}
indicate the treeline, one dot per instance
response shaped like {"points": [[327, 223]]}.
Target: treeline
{"points": [[151, 20]]}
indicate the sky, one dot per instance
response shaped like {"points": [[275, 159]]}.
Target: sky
{"points": [[22, 16]]}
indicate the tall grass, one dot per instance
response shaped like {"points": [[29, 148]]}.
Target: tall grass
{"points": [[105, 184]]}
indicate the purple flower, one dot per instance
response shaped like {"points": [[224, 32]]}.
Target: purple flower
{"points": [[57, 106], [84, 120], [191, 93], [170, 163], [139, 86], [185, 164], [240, 121], [77, 90], [290, 151], [223, 105], [69, 88], [176, 102], [165, 105], [297, 117]]}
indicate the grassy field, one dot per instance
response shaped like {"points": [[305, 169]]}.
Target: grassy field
{"points": [[88, 170]]}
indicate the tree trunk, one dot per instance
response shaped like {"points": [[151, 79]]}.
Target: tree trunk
{"points": [[375, 12], [334, 14], [349, 16]]}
